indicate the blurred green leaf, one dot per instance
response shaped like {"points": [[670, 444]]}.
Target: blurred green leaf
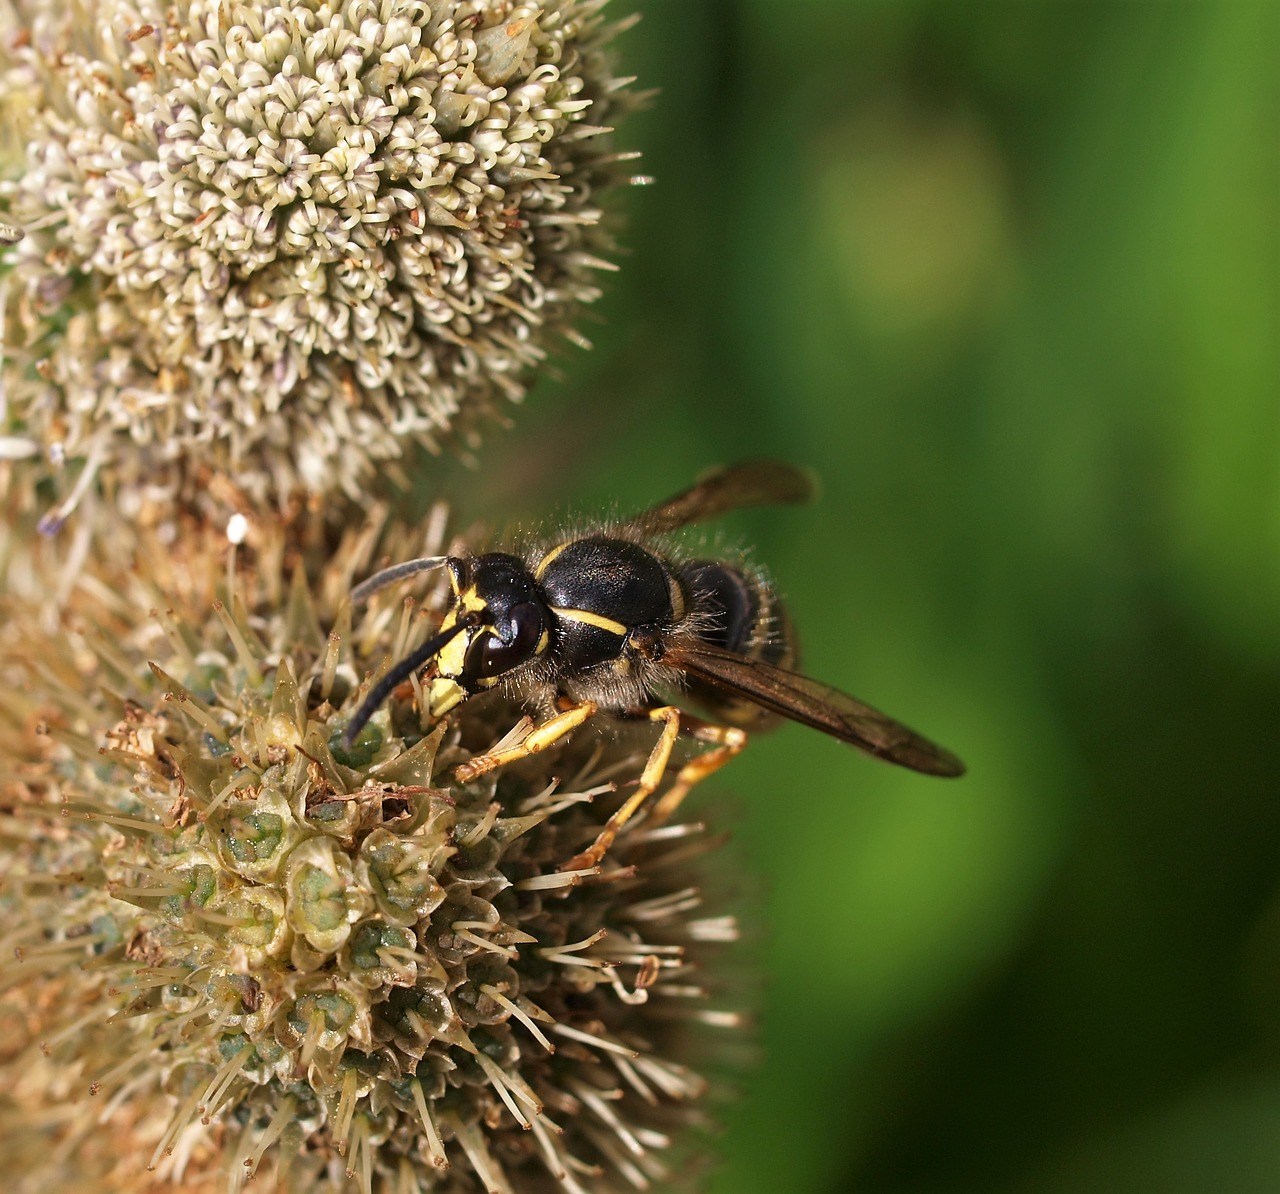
{"points": [[1006, 275]]}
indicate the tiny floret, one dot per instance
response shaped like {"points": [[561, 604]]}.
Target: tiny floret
{"points": [[282, 240]]}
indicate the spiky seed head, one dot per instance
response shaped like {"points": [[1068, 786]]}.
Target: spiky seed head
{"points": [[279, 241], [234, 944]]}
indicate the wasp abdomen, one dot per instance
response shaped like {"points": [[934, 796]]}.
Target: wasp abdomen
{"points": [[600, 590], [739, 611], [728, 601]]}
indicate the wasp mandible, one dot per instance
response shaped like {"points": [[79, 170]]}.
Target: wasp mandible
{"points": [[614, 620]]}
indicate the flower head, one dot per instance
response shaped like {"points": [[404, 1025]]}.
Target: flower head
{"points": [[280, 240], [235, 942]]}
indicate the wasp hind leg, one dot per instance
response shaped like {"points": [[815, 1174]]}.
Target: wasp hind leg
{"points": [[549, 732], [727, 741]]}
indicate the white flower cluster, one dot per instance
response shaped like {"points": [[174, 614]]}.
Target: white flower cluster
{"points": [[279, 240]]}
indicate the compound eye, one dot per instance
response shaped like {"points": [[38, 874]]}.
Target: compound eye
{"points": [[495, 655]]}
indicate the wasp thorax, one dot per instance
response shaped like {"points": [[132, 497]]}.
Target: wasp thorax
{"points": [[602, 588]]}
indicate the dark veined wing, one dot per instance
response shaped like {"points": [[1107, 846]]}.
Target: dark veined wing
{"points": [[813, 704], [751, 483]]}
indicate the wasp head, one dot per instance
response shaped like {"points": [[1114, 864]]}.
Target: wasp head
{"points": [[504, 624]]}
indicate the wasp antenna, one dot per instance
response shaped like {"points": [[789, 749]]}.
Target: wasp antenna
{"points": [[397, 572], [399, 674]]}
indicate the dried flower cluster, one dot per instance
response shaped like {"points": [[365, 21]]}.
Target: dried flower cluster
{"points": [[233, 945], [278, 241], [260, 247]]}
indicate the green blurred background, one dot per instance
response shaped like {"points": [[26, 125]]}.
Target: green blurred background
{"points": [[1007, 277]]}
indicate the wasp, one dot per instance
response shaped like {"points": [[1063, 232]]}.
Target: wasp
{"points": [[612, 620]]}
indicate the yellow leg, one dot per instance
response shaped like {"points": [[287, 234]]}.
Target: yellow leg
{"points": [[650, 778], [542, 737], [729, 740]]}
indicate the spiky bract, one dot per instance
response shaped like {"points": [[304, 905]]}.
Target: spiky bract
{"points": [[233, 944]]}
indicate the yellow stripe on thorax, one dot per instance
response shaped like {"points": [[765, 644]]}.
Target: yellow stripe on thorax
{"points": [[545, 562], [590, 619], [676, 593]]}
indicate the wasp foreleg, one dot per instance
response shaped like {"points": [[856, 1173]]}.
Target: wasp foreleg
{"points": [[540, 738]]}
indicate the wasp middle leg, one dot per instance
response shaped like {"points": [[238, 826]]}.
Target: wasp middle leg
{"points": [[654, 769]]}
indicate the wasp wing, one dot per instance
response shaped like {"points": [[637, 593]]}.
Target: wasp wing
{"points": [[752, 483], [813, 704]]}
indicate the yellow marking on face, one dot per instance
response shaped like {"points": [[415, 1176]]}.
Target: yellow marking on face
{"points": [[443, 695], [543, 642], [622, 667], [545, 562], [487, 681], [453, 655], [590, 619], [450, 659]]}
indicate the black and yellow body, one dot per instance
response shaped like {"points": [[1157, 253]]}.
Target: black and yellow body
{"points": [[568, 625], [614, 620]]}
